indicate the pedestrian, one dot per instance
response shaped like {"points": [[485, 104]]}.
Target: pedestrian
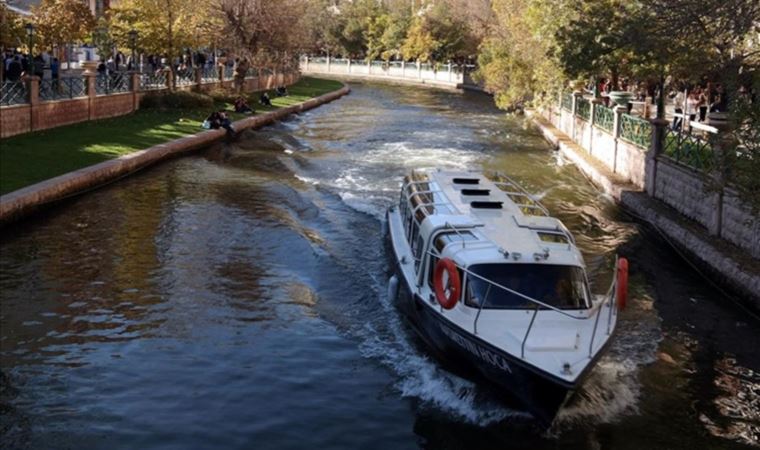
{"points": [[692, 104], [704, 102], [678, 105], [15, 69], [54, 72]]}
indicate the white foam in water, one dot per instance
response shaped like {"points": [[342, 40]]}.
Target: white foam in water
{"points": [[372, 205], [307, 179], [371, 182], [422, 378]]}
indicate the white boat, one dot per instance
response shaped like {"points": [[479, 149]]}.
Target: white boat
{"points": [[492, 282]]}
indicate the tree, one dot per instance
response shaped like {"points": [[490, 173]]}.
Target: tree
{"points": [[394, 34], [435, 36], [164, 27], [12, 33], [60, 22], [268, 33], [515, 61], [324, 25]]}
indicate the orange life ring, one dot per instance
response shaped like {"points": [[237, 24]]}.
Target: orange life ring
{"points": [[455, 284], [622, 283]]}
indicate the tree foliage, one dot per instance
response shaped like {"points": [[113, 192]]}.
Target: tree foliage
{"points": [[12, 33], [164, 27], [268, 33], [430, 31], [62, 21]]}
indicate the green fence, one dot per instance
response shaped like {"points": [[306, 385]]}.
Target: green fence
{"points": [[567, 101], [688, 149], [635, 130], [604, 118], [583, 108]]}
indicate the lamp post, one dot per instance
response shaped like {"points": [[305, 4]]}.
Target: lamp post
{"points": [[30, 34], [132, 45]]}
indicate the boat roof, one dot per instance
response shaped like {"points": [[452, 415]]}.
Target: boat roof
{"points": [[507, 223]]}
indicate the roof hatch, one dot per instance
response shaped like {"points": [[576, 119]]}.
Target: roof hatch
{"points": [[486, 205], [466, 180], [476, 191]]}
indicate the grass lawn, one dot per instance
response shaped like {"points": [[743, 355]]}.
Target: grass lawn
{"points": [[29, 158]]}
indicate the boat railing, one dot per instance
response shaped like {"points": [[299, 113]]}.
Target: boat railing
{"points": [[593, 312], [521, 191]]}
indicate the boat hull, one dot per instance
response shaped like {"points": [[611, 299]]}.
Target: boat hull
{"points": [[539, 395]]}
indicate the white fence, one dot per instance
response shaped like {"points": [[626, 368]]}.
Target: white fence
{"points": [[449, 75]]}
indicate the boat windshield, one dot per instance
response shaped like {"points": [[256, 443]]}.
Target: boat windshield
{"points": [[563, 287]]}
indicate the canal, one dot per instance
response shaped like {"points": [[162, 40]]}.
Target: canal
{"points": [[237, 299]]}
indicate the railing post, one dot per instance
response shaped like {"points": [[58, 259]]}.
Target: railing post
{"points": [[618, 112], [594, 103], [328, 63], [198, 78], [91, 80], [33, 91], [135, 78], [722, 145], [220, 75], [659, 130], [169, 78], [306, 64], [576, 96], [348, 65], [403, 69]]}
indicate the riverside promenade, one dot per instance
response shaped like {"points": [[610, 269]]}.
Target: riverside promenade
{"points": [[22, 202], [664, 183]]}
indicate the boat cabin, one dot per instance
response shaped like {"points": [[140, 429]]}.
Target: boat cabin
{"points": [[499, 234]]}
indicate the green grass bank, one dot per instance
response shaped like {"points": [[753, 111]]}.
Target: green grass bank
{"points": [[38, 156]]}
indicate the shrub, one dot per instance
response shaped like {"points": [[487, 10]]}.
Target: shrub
{"points": [[177, 100]]}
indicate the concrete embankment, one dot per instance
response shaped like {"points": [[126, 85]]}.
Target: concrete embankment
{"points": [[722, 261], [24, 201]]}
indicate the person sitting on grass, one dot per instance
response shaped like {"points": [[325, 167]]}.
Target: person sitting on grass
{"points": [[219, 119], [281, 91], [264, 99], [242, 107]]}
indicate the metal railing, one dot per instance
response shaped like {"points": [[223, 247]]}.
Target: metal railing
{"points": [[688, 149], [229, 72], [64, 88], [251, 73], [567, 101], [13, 93], [209, 75], [583, 108], [155, 80], [635, 130], [112, 83], [184, 77], [604, 117]]}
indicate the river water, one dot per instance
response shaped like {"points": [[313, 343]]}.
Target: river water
{"points": [[237, 299]]}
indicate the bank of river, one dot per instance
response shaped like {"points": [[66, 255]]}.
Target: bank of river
{"points": [[237, 298]]}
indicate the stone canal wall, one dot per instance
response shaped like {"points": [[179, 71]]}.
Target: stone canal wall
{"points": [[622, 145], [29, 199], [676, 202], [41, 106]]}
